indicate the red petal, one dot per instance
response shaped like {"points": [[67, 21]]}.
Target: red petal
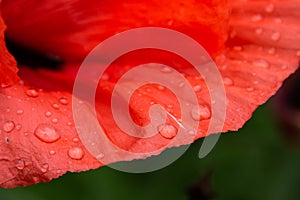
{"points": [[27, 159]]}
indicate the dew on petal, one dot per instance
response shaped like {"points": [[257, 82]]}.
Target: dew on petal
{"points": [[275, 36], [8, 126], [52, 152], [20, 164], [76, 153], [160, 87], [197, 88], [166, 69], [256, 18], [45, 167], [249, 89], [100, 156], [20, 112], [270, 8], [227, 81], [272, 51], [48, 114], [298, 53], [258, 31], [54, 120], [63, 101], [167, 130], [46, 133], [18, 127], [55, 105], [32, 93], [237, 48], [261, 63], [200, 113], [75, 139]]}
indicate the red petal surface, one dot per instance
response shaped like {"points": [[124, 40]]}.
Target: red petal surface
{"points": [[44, 145]]}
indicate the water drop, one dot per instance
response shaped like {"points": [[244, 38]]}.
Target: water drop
{"points": [[298, 53], [32, 93], [270, 8], [18, 127], [160, 87], [45, 167], [63, 101], [52, 152], [284, 67], [200, 113], [55, 105], [48, 114], [258, 31], [197, 88], [100, 156], [8, 126], [3, 85], [227, 81], [275, 36], [278, 20], [249, 89], [20, 164], [54, 120], [20, 112], [167, 131], [237, 48], [76, 153], [58, 171], [272, 51], [46, 133], [256, 18], [166, 69], [75, 139], [261, 63], [69, 123]]}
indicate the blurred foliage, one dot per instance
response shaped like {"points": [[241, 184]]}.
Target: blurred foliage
{"points": [[253, 163]]}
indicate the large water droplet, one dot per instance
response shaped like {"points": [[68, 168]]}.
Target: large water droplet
{"points": [[200, 113], [32, 93], [20, 164], [45, 167], [76, 153], [63, 101], [8, 126], [167, 131], [46, 133]]}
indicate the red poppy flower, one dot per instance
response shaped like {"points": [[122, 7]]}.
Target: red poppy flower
{"points": [[256, 47]]}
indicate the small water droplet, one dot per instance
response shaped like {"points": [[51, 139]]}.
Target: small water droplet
{"points": [[48, 114], [166, 69], [20, 112], [284, 67], [197, 88], [3, 85], [278, 20], [100, 156], [52, 152], [76, 153], [55, 105], [261, 63], [21, 82], [46, 133], [20, 164], [8, 126], [237, 48], [75, 139], [18, 127], [256, 18], [7, 110], [69, 123], [54, 120], [227, 81], [63, 101], [58, 171], [200, 113], [191, 132], [272, 51], [167, 131], [258, 31], [32, 93], [255, 82], [275, 36], [160, 87], [270, 8], [105, 77], [233, 34], [298, 53], [249, 89], [45, 167]]}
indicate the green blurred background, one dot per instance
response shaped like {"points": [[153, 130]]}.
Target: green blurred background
{"points": [[253, 163]]}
